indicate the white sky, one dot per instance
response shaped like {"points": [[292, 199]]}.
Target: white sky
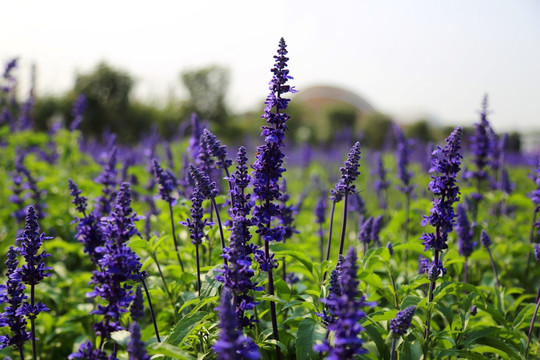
{"points": [[405, 57]]}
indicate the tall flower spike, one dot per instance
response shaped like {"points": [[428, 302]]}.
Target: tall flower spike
{"points": [[481, 151], [213, 147], [136, 347], [381, 184], [137, 306], [348, 310], [166, 184], [12, 293], [268, 168], [237, 274], [232, 344], [401, 323], [349, 174], [464, 232], [446, 164]]}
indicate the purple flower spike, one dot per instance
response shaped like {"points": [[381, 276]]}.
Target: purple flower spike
{"points": [[136, 348], [206, 186], [349, 174], [166, 183], [34, 270], [79, 107], [465, 233], [446, 162], [232, 344], [12, 293], [401, 323], [403, 158], [87, 352], [365, 235], [137, 306], [348, 311], [485, 239], [537, 251], [212, 146]]}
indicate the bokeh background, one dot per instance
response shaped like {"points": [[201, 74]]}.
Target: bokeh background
{"points": [[358, 65]]}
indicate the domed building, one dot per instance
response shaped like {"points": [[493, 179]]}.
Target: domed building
{"points": [[323, 110]]}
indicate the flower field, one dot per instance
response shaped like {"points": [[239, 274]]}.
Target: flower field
{"points": [[189, 249]]}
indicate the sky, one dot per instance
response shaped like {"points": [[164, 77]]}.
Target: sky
{"points": [[409, 59]]}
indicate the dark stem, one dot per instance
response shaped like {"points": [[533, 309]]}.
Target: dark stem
{"points": [[272, 303], [430, 299], [407, 208], [21, 354], [151, 309], [329, 242], [32, 323], [494, 268], [396, 299], [393, 351], [154, 256], [174, 237], [532, 233], [466, 270], [219, 227], [344, 226], [532, 324], [198, 269], [321, 242]]}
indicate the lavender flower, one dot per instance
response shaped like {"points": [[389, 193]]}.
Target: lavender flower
{"points": [[17, 198], [196, 224], [485, 239], [464, 232], [268, 169], [334, 292], [286, 213], [320, 208], [108, 178], [203, 183], [87, 352], [376, 229], [445, 161], [12, 293], [212, 147], [402, 158], [423, 264], [381, 184], [89, 227], [349, 174], [197, 127], [481, 150], [537, 251], [166, 184], [486, 242], [118, 265], [34, 270], [137, 306], [79, 107], [232, 344], [365, 234], [136, 347], [237, 274], [320, 218], [401, 323], [347, 309]]}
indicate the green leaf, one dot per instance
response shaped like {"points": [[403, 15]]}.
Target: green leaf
{"points": [[121, 337], [168, 350], [185, 326], [309, 332]]}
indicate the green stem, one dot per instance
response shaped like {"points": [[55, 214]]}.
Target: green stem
{"points": [[174, 237], [344, 226], [151, 309]]}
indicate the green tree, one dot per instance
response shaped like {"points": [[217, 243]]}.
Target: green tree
{"points": [[375, 128], [207, 89], [420, 130]]}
